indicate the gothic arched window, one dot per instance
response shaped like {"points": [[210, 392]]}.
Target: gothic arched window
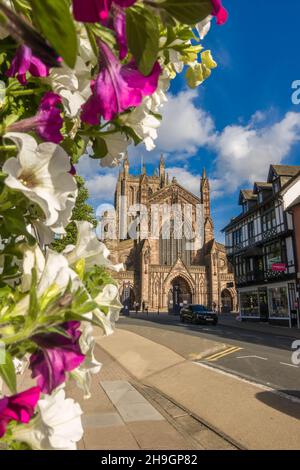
{"points": [[172, 247]]}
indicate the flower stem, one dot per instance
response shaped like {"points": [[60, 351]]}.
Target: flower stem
{"points": [[26, 92], [7, 148]]}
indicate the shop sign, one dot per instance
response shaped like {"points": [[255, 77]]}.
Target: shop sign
{"points": [[279, 267]]}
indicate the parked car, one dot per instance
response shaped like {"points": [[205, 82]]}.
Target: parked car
{"points": [[198, 314]]}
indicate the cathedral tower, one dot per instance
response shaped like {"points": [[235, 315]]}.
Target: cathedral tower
{"points": [[205, 201], [162, 171]]}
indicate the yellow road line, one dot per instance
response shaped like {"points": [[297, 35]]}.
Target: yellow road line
{"points": [[219, 355], [220, 352]]}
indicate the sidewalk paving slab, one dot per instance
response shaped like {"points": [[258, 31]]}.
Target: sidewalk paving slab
{"points": [[118, 417], [249, 414]]}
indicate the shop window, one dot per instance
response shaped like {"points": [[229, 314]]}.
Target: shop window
{"points": [[278, 302], [249, 304]]}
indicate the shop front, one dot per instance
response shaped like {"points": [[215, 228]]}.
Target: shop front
{"points": [[275, 303]]}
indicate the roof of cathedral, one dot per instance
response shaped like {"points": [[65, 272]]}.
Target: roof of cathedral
{"points": [[209, 245], [173, 184]]}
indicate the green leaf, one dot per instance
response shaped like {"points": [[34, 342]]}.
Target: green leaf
{"points": [[187, 11], [33, 302], [143, 37], [56, 23], [99, 148], [8, 373]]}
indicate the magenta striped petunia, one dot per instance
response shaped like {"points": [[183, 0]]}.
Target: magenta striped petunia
{"points": [[18, 408], [93, 11]]}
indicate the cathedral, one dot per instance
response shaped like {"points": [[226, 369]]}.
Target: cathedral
{"points": [[163, 273]]}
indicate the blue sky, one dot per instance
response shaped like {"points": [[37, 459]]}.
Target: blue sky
{"points": [[242, 118]]}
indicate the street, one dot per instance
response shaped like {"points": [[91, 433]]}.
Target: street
{"points": [[258, 356]]}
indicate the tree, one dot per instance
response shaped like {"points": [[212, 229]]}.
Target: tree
{"points": [[81, 211]]}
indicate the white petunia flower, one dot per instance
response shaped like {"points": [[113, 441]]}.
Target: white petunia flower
{"points": [[41, 173], [117, 145], [88, 247], [58, 272], [57, 427], [156, 101], [32, 258], [204, 26], [51, 270], [109, 300], [74, 86], [83, 374], [143, 123]]}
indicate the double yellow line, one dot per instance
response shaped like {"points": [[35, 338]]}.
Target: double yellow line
{"points": [[219, 355]]}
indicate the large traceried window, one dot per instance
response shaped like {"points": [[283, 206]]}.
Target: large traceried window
{"points": [[172, 247]]}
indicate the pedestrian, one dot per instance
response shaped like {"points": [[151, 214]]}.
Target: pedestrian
{"points": [[143, 306], [136, 307]]}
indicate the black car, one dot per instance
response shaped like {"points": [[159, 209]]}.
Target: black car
{"points": [[198, 314]]}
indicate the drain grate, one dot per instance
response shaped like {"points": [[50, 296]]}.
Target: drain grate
{"points": [[198, 433]]}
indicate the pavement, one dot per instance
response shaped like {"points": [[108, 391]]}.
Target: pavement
{"points": [[262, 327], [251, 415], [119, 417]]}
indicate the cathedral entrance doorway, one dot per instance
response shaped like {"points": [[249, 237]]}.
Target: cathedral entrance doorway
{"points": [[227, 301], [127, 297], [179, 295]]}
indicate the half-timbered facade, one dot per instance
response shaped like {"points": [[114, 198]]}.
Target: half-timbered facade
{"points": [[260, 245]]}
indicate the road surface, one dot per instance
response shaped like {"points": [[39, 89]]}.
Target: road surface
{"points": [[261, 357]]}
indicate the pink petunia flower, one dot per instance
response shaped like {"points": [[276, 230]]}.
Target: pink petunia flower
{"points": [[219, 11], [93, 11], [23, 62], [18, 408], [117, 88], [119, 26], [57, 355], [47, 122]]}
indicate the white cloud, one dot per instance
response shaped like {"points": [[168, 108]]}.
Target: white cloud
{"points": [[245, 153], [99, 182], [102, 187], [186, 179], [185, 127]]}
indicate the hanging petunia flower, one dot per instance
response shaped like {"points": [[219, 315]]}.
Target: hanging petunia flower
{"points": [[56, 427], [221, 14], [57, 354], [18, 408], [219, 11], [23, 62], [47, 122], [41, 173], [93, 11], [117, 88], [143, 123], [90, 366], [89, 248], [119, 26]]}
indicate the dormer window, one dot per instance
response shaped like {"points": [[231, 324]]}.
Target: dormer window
{"points": [[245, 207], [260, 197]]}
